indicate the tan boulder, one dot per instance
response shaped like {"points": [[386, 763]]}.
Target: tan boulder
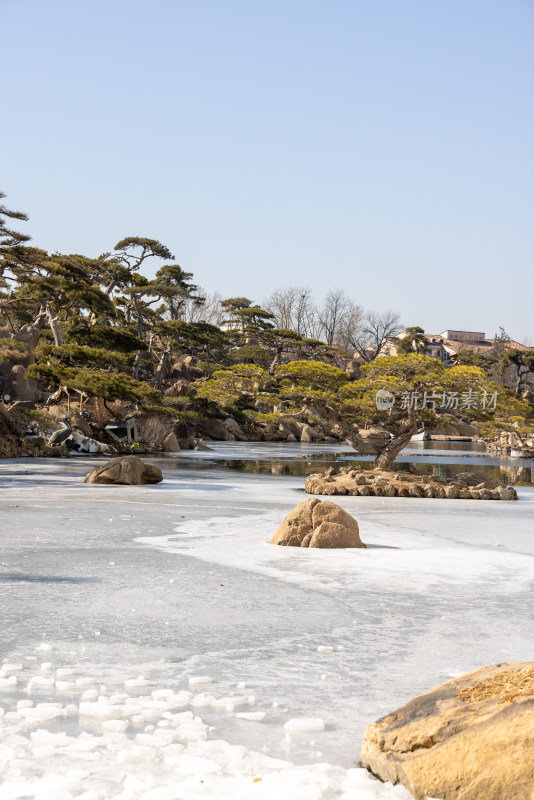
{"points": [[179, 388], [216, 429], [30, 335], [471, 738], [380, 481], [416, 490], [127, 470], [171, 444], [22, 388], [316, 523], [306, 434]]}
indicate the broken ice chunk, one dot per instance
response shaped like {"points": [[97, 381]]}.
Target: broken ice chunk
{"points": [[200, 680], [136, 683]]}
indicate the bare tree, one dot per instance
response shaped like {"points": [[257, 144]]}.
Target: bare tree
{"points": [[350, 327], [376, 328], [338, 320], [293, 310], [337, 315], [208, 311]]}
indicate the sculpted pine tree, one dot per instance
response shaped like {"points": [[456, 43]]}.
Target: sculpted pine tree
{"points": [[238, 386], [53, 290], [95, 383], [127, 258], [420, 389], [10, 240], [119, 338], [173, 288], [244, 318], [8, 236], [413, 342]]}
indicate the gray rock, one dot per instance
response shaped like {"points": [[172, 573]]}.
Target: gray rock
{"points": [[216, 429], [234, 428]]}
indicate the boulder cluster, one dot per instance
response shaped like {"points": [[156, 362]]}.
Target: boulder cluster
{"points": [[379, 483]]}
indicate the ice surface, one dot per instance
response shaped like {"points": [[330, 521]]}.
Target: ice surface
{"points": [[284, 634], [304, 725]]}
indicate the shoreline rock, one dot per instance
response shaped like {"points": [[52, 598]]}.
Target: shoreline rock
{"points": [[378, 483], [468, 739]]}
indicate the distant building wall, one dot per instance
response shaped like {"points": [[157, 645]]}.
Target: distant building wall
{"points": [[469, 337]]}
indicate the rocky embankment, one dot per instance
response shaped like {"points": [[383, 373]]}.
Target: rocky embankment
{"points": [[378, 483], [16, 443]]}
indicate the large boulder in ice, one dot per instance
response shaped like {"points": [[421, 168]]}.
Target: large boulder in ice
{"points": [[316, 523], [127, 470], [468, 739]]}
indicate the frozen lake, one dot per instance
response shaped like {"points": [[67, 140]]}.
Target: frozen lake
{"points": [[177, 581]]}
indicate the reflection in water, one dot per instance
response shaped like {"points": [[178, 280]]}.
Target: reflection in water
{"points": [[301, 466]]}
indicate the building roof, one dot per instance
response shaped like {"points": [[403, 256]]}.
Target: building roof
{"points": [[482, 347]]}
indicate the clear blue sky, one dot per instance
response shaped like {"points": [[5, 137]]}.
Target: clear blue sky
{"points": [[383, 146]]}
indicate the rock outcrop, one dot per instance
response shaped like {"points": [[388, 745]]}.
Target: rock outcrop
{"points": [[234, 428], [316, 523], [471, 738], [30, 335], [377, 483], [171, 444], [18, 387], [13, 441], [215, 428], [126, 470]]}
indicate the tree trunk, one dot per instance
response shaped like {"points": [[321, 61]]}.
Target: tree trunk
{"points": [[162, 368], [276, 360], [40, 318], [52, 321], [385, 459], [136, 365]]}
